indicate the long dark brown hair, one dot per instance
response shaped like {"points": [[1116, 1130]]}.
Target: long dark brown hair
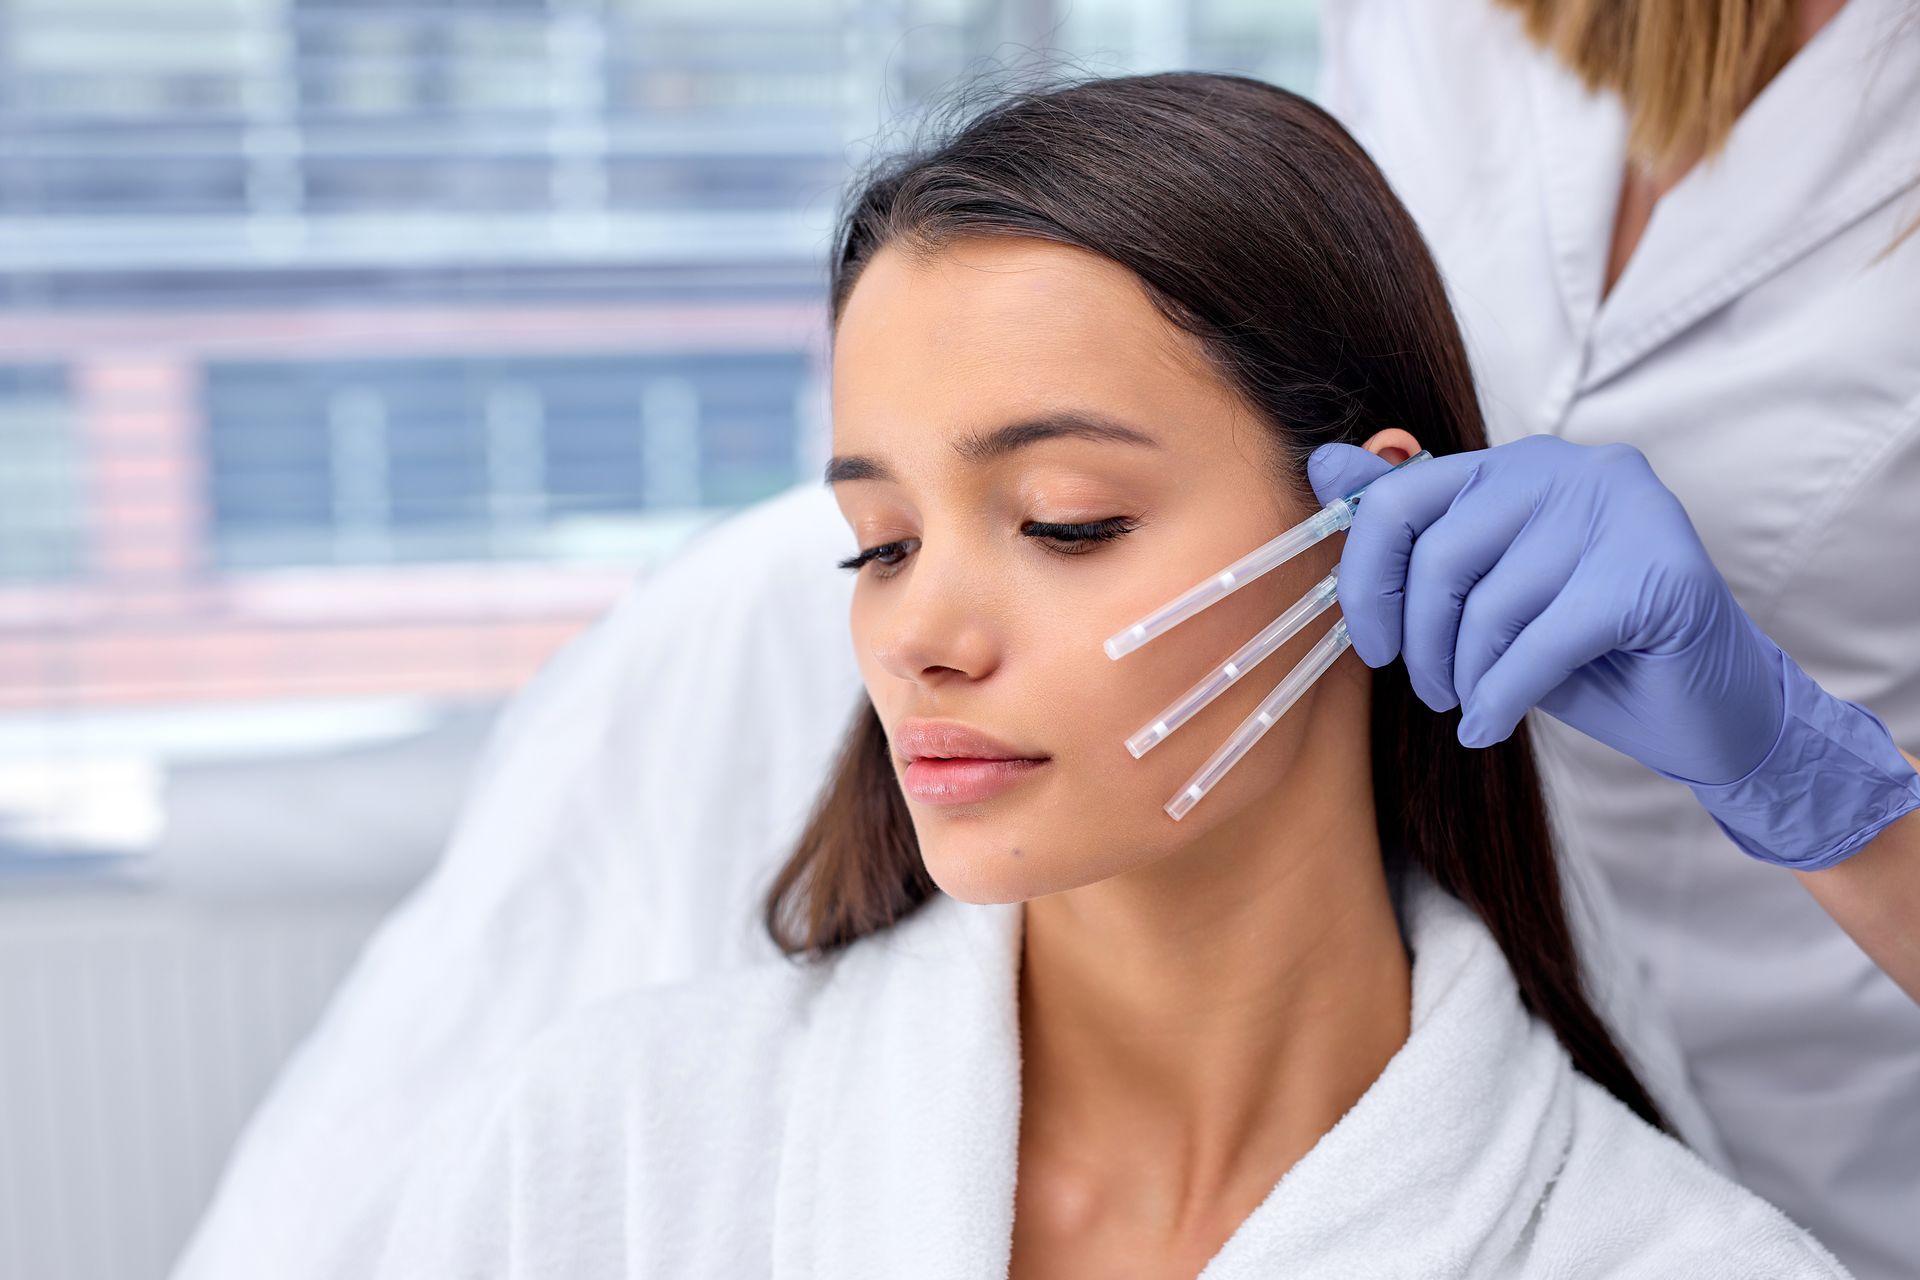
{"points": [[1259, 226]]}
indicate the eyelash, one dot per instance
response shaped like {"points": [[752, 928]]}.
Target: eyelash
{"points": [[1091, 532]]}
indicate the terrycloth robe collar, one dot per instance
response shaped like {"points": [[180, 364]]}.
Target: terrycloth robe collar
{"points": [[901, 1154]]}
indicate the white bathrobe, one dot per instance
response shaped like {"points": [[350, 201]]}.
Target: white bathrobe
{"points": [[861, 1119]]}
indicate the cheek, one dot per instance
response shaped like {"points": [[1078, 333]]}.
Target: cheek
{"points": [[1103, 813], [859, 634], [1122, 697]]}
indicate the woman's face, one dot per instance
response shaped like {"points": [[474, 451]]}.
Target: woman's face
{"points": [[975, 612]]}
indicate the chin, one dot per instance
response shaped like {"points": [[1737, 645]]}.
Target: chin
{"points": [[984, 867]]}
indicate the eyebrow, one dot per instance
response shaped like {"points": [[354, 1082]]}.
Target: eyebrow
{"points": [[981, 447]]}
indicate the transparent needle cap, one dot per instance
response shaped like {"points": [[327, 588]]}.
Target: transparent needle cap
{"points": [[1330, 519], [1295, 683], [1248, 656]]}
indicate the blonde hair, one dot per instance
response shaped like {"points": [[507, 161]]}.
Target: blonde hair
{"points": [[1683, 68]]}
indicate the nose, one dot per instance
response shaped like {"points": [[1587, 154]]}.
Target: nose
{"points": [[936, 623]]}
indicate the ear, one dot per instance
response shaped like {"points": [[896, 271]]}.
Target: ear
{"points": [[1336, 469], [1392, 445]]}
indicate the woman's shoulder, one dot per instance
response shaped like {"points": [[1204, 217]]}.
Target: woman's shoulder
{"points": [[1631, 1201]]}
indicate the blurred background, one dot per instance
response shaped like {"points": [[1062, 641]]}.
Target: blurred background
{"points": [[355, 354]]}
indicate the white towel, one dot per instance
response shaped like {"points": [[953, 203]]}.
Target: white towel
{"points": [[862, 1120]]}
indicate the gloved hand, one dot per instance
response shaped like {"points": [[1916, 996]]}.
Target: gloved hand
{"points": [[1563, 576]]}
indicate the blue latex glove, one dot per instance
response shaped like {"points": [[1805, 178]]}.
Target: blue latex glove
{"points": [[1563, 576]]}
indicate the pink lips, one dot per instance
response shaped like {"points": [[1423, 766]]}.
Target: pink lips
{"points": [[954, 763], [964, 781]]}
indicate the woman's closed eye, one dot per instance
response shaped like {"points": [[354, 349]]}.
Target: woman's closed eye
{"points": [[1061, 539]]}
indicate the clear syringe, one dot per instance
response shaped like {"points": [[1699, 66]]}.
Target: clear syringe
{"points": [[1285, 694], [1245, 658], [1330, 519]]}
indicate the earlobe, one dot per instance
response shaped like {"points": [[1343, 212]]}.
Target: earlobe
{"points": [[1393, 445]]}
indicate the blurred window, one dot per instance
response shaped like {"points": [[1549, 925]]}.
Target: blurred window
{"points": [[356, 353]]}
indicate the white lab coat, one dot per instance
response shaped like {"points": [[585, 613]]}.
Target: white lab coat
{"points": [[862, 1120], [592, 855], [1769, 368]]}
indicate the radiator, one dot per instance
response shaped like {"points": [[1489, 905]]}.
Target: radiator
{"points": [[137, 1032]]}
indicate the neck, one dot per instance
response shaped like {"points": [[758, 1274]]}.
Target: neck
{"points": [[1811, 15], [1217, 1012]]}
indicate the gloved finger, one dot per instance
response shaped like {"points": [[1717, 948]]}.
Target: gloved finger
{"points": [[1570, 632], [1448, 560], [1373, 564], [1533, 572], [1335, 470]]}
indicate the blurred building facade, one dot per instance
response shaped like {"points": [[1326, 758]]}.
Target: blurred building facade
{"points": [[356, 346], [364, 347]]}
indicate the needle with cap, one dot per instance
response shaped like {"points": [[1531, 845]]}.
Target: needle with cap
{"points": [[1330, 519]]}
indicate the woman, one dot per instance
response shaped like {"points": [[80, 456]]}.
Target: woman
{"points": [[1330, 1023]]}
